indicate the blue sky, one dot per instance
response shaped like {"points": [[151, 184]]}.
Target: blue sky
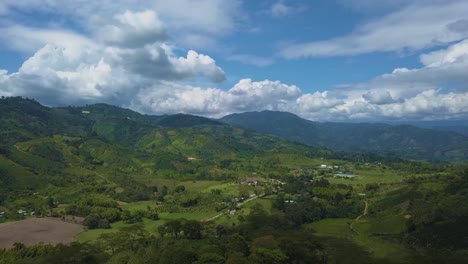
{"points": [[334, 60]]}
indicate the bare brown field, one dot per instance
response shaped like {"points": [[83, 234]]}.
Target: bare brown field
{"points": [[38, 230]]}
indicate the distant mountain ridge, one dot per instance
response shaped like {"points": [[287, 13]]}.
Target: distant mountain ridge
{"points": [[404, 141]]}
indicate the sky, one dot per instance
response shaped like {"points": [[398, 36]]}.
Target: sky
{"points": [[324, 60]]}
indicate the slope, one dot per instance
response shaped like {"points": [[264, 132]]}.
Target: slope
{"points": [[403, 140]]}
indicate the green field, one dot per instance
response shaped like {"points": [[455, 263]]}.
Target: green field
{"points": [[340, 228]]}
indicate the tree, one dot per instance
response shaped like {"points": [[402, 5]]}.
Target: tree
{"points": [[237, 243], [50, 202], [104, 224], [192, 229], [153, 215], [236, 258], [163, 230], [92, 221], [174, 227], [179, 188], [164, 190], [268, 256], [210, 258], [131, 218]]}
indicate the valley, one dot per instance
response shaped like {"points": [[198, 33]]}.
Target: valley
{"points": [[185, 189]]}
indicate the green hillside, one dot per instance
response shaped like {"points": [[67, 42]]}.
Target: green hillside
{"points": [[187, 189], [402, 141]]}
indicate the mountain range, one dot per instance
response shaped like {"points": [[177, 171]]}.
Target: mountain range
{"points": [[405, 141], [24, 119]]}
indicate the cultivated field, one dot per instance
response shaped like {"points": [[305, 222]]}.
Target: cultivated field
{"points": [[37, 230]]}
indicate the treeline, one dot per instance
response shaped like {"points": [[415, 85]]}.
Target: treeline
{"points": [[305, 199], [259, 238]]}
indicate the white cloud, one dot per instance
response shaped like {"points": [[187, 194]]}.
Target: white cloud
{"points": [[280, 9], [246, 95], [379, 97], [252, 60], [403, 94], [199, 64], [318, 101], [133, 30], [127, 61], [213, 16], [29, 40], [70, 68], [453, 54], [417, 26]]}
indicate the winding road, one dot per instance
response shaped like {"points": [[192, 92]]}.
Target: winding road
{"points": [[359, 217], [239, 205]]}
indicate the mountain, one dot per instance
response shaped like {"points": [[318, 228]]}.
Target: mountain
{"points": [[137, 176], [123, 151], [458, 126], [404, 141]]}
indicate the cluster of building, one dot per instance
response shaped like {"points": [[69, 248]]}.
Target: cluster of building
{"points": [[25, 213]]}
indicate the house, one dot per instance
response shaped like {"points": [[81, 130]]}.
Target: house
{"points": [[232, 212], [323, 166], [344, 175], [85, 112], [23, 212], [253, 181]]}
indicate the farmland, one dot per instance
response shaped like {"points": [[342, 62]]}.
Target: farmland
{"points": [[38, 230]]}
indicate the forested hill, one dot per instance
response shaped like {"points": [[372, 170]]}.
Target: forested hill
{"points": [[41, 145], [404, 141], [187, 189]]}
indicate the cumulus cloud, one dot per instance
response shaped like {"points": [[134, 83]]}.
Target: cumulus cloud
{"points": [[129, 61], [379, 97], [404, 93], [133, 30], [69, 68], [318, 101], [414, 27], [246, 95], [457, 53], [196, 63]]}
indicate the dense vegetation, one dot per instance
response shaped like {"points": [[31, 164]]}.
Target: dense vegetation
{"points": [[402, 141], [185, 189]]}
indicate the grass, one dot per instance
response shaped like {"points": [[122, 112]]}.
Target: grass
{"points": [[230, 220], [378, 246], [92, 235]]}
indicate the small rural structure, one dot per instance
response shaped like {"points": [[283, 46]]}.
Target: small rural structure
{"points": [[23, 212], [344, 175]]}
